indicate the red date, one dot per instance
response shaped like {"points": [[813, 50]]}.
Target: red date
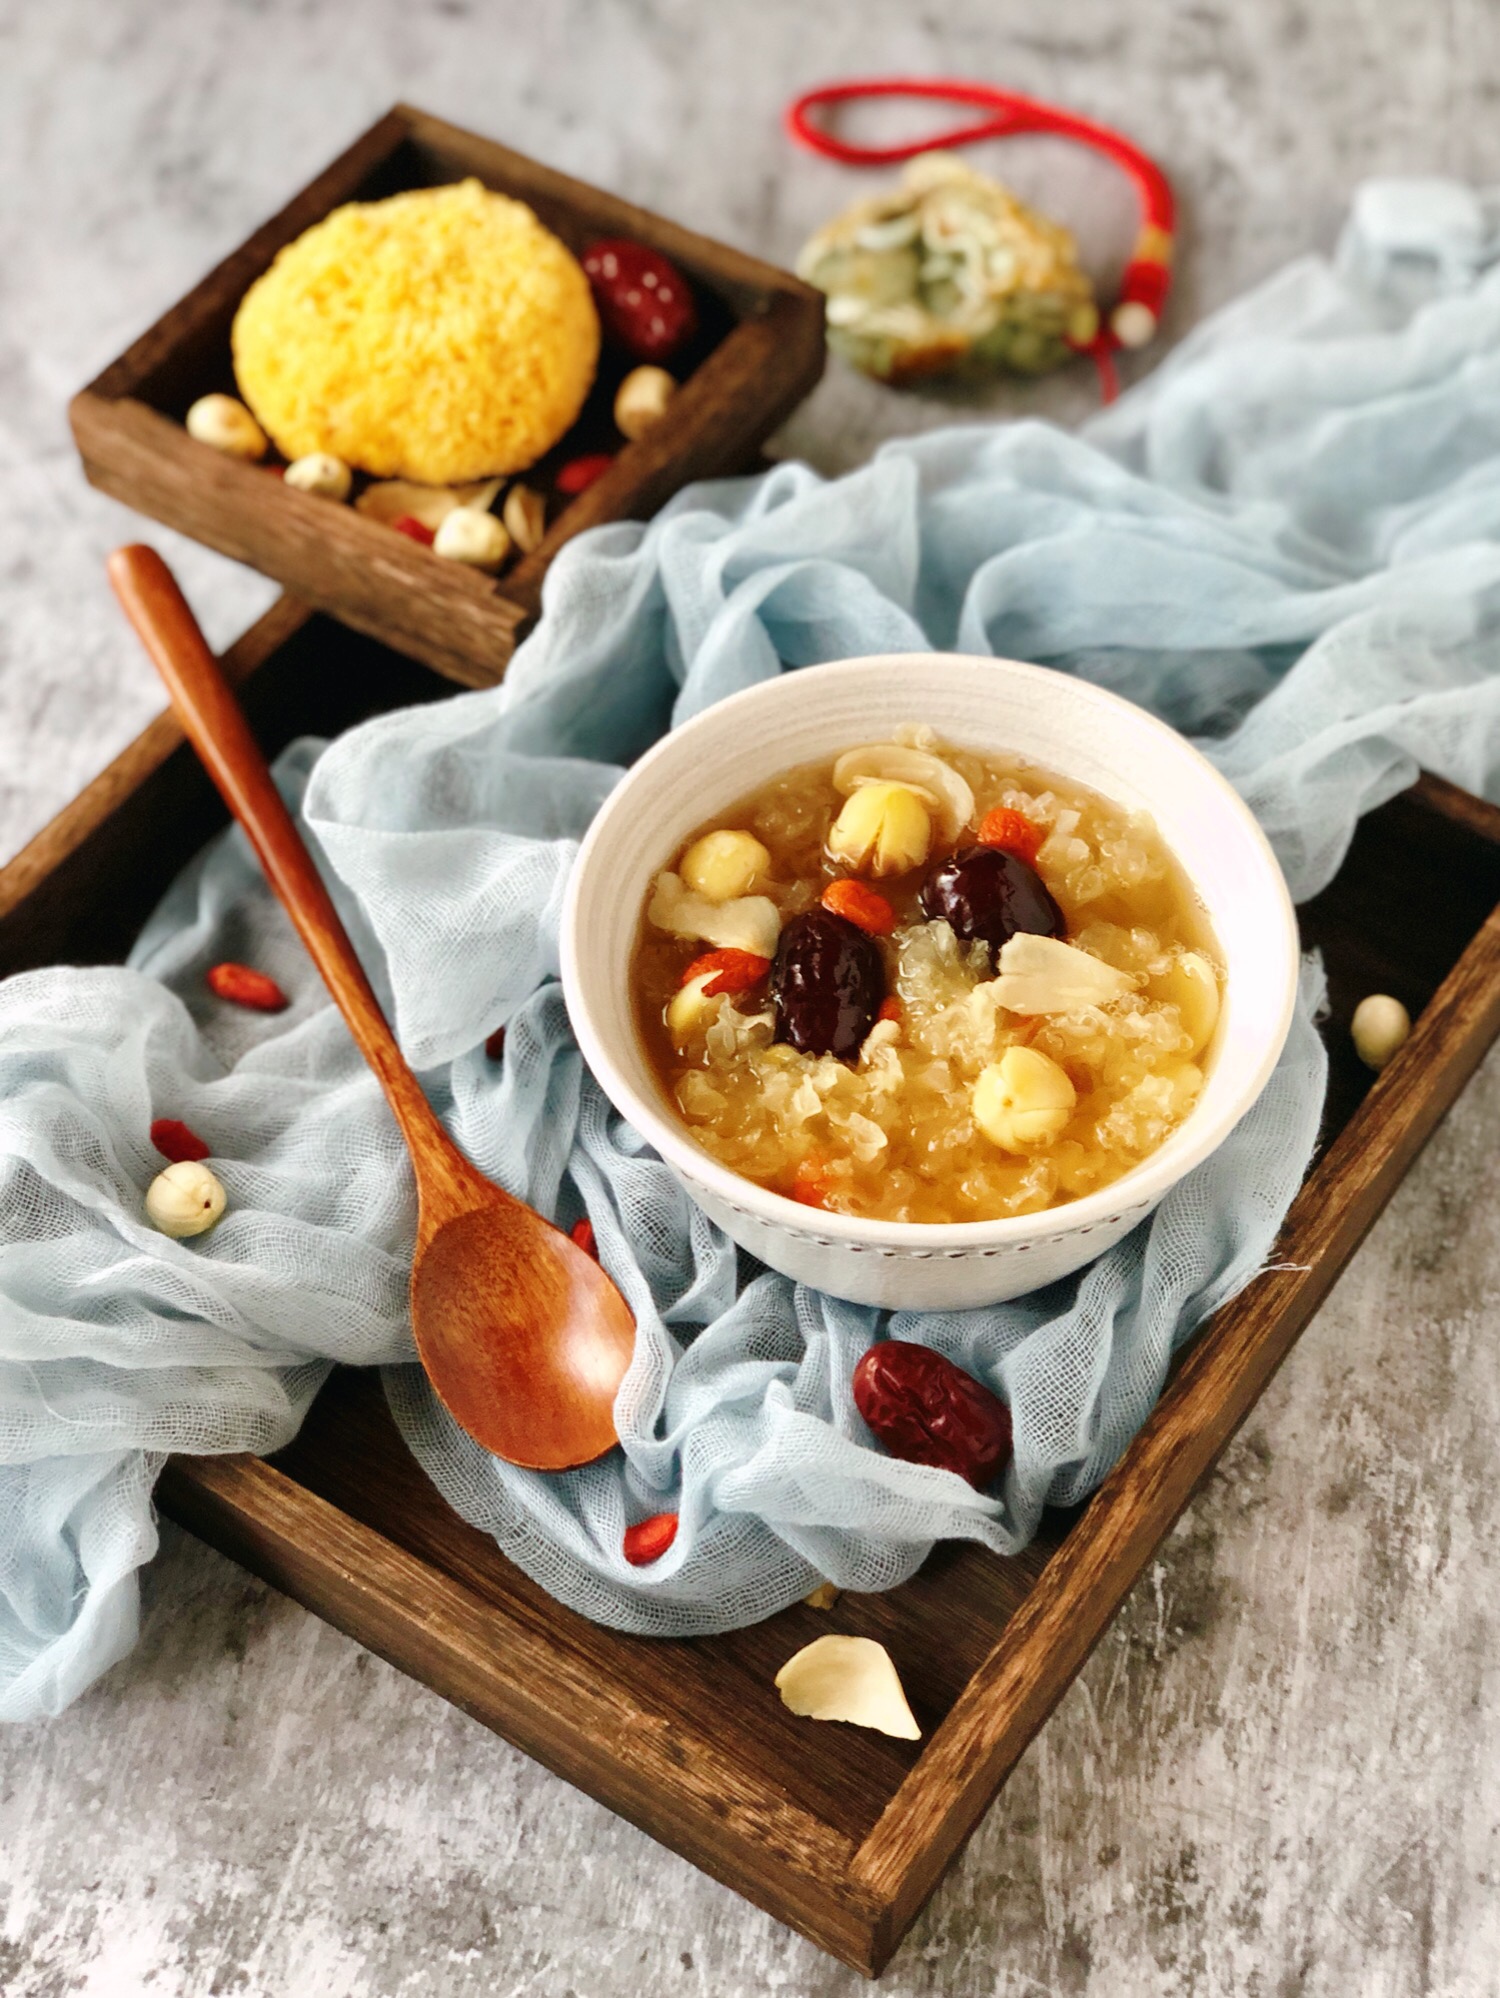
{"points": [[983, 891], [925, 1410], [643, 300], [827, 982]]}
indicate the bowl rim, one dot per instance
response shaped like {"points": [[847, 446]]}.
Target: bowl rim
{"points": [[1138, 1189]]}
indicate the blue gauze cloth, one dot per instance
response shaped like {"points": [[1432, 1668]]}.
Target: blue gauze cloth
{"points": [[1284, 542]]}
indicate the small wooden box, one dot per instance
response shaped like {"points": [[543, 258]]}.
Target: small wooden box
{"points": [[758, 351], [842, 1833]]}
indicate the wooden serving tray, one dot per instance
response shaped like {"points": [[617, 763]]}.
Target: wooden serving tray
{"points": [[758, 351], [841, 1833]]}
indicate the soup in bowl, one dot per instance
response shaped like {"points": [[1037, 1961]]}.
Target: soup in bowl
{"points": [[929, 976]]}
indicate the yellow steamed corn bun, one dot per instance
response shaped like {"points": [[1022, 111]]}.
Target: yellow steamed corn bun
{"points": [[442, 335]]}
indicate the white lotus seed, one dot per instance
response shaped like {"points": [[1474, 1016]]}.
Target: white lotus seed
{"points": [[1380, 1025], [184, 1200], [641, 400], [227, 425], [320, 474], [1023, 1100], [883, 829], [724, 864], [474, 538]]}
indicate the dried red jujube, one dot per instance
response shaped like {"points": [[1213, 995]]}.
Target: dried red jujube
{"points": [[827, 982], [925, 1410], [985, 892], [644, 301]]}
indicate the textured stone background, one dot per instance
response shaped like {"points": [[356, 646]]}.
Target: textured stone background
{"points": [[1279, 1773]]}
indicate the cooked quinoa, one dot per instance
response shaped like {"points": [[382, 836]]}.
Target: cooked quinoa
{"points": [[442, 335]]}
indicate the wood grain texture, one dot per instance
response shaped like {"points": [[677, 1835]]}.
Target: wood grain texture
{"points": [[79, 892], [839, 1834], [383, 584], [759, 350], [552, 1702], [718, 1687]]}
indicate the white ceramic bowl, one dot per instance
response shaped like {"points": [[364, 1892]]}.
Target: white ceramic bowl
{"points": [[1059, 722]]}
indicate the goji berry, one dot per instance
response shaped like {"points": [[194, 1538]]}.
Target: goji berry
{"points": [[414, 529], [176, 1142], [494, 1046], [644, 301], [736, 971], [244, 987], [1012, 832], [649, 1539], [580, 473], [861, 906], [811, 1182], [925, 1410], [582, 1232], [890, 1009]]}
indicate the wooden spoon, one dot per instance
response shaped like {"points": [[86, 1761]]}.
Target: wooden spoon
{"points": [[522, 1334]]}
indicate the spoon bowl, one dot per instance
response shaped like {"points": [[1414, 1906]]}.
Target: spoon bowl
{"points": [[487, 1288], [523, 1336]]}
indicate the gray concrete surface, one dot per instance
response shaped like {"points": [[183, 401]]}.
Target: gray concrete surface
{"points": [[1279, 1774]]}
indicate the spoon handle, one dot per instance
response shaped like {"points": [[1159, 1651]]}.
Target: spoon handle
{"points": [[215, 725]]}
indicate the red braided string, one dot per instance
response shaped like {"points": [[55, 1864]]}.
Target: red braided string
{"points": [[1148, 275]]}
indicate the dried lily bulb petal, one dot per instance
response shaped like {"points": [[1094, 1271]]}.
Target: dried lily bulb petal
{"points": [[1044, 975], [847, 1679], [390, 500], [525, 517], [744, 922]]}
